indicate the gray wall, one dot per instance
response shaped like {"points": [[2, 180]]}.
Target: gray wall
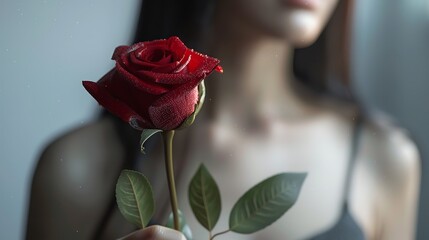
{"points": [[48, 47]]}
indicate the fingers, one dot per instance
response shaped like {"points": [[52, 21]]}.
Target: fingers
{"points": [[155, 232]]}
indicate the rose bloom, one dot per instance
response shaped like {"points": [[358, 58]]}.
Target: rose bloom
{"points": [[154, 84]]}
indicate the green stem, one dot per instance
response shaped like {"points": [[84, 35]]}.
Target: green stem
{"points": [[168, 154], [220, 233]]}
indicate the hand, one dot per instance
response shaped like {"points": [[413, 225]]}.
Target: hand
{"points": [[155, 232]]}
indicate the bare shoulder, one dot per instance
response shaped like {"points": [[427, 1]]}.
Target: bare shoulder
{"points": [[82, 150], [392, 165], [390, 153], [97, 133], [73, 181]]}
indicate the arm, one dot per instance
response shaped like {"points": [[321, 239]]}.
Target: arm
{"points": [[398, 179]]}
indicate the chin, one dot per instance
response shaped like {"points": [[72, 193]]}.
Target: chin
{"points": [[301, 28]]}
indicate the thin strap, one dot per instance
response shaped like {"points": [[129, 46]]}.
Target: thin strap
{"points": [[355, 142]]}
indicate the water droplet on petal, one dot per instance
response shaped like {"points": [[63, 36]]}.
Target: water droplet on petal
{"points": [[134, 122]]}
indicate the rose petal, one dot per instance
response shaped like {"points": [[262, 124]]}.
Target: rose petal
{"points": [[140, 83], [175, 67], [202, 63], [158, 56], [119, 51], [176, 46], [182, 66], [170, 110], [139, 45], [134, 98], [139, 56], [167, 78], [160, 43], [115, 106], [197, 66], [137, 64]]}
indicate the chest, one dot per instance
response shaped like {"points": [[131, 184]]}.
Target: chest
{"points": [[238, 162]]}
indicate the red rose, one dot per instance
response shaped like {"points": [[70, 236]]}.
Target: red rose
{"points": [[154, 84]]}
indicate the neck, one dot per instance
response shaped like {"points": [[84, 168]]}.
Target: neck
{"points": [[255, 86]]}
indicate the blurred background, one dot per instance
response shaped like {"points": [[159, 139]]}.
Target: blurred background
{"points": [[48, 47]]}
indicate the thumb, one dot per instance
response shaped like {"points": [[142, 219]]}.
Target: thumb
{"points": [[155, 232]]}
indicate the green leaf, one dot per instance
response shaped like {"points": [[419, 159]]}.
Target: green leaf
{"points": [[266, 202], [201, 96], [146, 134], [183, 226], [204, 198], [135, 198]]}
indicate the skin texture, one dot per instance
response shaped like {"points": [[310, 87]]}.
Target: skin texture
{"points": [[300, 26], [253, 125], [154, 233]]}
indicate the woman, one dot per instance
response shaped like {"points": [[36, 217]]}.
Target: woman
{"points": [[273, 110]]}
